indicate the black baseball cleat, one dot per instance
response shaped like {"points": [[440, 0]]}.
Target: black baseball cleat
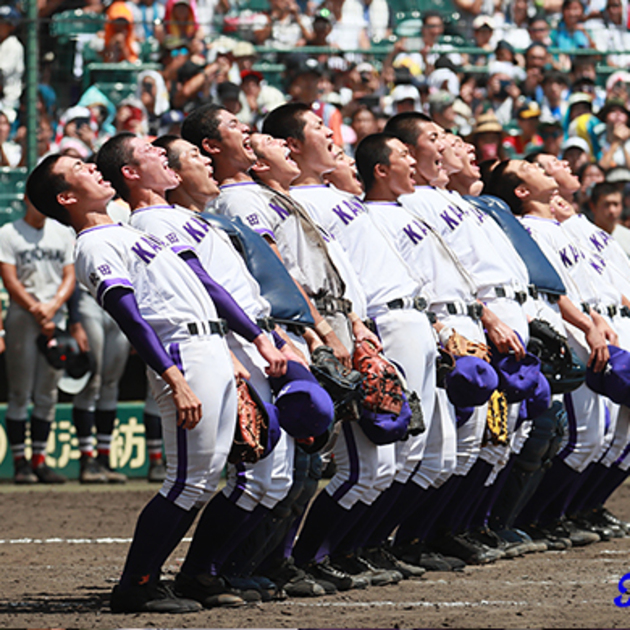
{"points": [[90, 471], [296, 582], [416, 552], [342, 581], [471, 552], [382, 558], [24, 474], [45, 474], [358, 566], [566, 529], [210, 591], [153, 598]]}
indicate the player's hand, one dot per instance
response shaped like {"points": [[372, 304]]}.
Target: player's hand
{"points": [[80, 336], [240, 371], [293, 354], [362, 333], [277, 361], [599, 349], [339, 350], [48, 329], [505, 339], [43, 311], [3, 345], [186, 402]]}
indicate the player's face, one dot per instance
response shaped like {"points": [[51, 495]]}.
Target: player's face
{"points": [[195, 169], [560, 171], [152, 165], [402, 168], [344, 176], [608, 209], [318, 144], [84, 180], [469, 159], [534, 178], [451, 157], [236, 144], [275, 153], [428, 151]]}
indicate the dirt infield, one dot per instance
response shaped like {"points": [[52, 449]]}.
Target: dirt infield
{"points": [[62, 549]]}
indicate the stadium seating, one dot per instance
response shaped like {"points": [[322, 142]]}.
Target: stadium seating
{"points": [[12, 183]]}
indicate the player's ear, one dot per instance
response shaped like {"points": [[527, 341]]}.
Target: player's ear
{"points": [[522, 192], [294, 145], [66, 198], [129, 171], [381, 171], [211, 147], [260, 166]]}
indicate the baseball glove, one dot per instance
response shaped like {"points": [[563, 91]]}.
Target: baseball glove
{"points": [[342, 384], [252, 426], [382, 386], [497, 419], [460, 346], [444, 365], [564, 371]]}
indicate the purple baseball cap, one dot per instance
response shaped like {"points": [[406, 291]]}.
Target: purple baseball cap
{"points": [[538, 402], [273, 434], [305, 409], [471, 383], [614, 380], [463, 415], [385, 428], [517, 379]]}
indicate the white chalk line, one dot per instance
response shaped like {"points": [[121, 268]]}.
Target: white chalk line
{"points": [[385, 604], [70, 541]]}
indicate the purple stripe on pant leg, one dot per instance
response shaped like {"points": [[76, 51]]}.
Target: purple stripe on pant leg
{"points": [[241, 483], [182, 444], [572, 422], [351, 445], [623, 455]]}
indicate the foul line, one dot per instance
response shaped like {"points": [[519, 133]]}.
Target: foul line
{"points": [[382, 604], [70, 541]]}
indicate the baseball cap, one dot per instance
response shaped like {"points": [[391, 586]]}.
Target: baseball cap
{"points": [[618, 175], [579, 97], [254, 74], [483, 20], [538, 402], [385, 428], [440, 100], [575, 143], [9, 14], [323, 14], [471, 383], [404, 92], [614, 380], [305, 409], [517, 379], [621, 76], [526, 112], [244, 49]]}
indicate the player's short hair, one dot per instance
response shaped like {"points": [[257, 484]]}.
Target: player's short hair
{"points": [[502, 185], [370, 152], [602, 190], [286, 121], [166, 142], [203, 123], [533, 156], [112, 156], [407, 126], [43, 186]]}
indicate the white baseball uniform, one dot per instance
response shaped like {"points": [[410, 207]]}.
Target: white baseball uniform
{"points": [[170, 296], [39, 256], [268, 481]]}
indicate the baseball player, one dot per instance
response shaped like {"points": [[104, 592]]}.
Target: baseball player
{"points": [[37, 272], [501, 278], [395, 305], [608, 255], [161, 301], [228, 143], [267, 482], [529, 191], [142, 176]]}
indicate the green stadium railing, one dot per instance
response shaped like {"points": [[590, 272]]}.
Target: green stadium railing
{"points": [[12, 185]]}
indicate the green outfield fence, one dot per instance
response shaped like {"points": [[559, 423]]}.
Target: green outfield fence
{"points": [[128, 451]]}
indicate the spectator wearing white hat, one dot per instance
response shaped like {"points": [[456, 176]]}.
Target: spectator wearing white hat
{"points": [[11, 59], [576, 152]]}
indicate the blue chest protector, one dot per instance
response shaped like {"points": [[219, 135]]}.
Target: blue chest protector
{"points": [[288, 305], [541, 272]]}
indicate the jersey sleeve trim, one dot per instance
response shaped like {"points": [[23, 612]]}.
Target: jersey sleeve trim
{"points": [[110, 283]]}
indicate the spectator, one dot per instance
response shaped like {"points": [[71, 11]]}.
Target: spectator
{"points": [[131, 116], [11, 59], [257, 98], [589, 174], [322, 28], [615, 145], [119, 41], [527, 118], [610, 34], [405, 98], [181, 22], [502, 94], [350, 26], [363, 123], [483, 36], [515, 29], [554, 87], [606, 206], [570, 32], [102, 113], [539, 31], [152, 92], [487, 137], [470, 9], [441, 110], [10, 152], [283, 27], [228, 95], [148, 19], [576, 152], [550, 131]]}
